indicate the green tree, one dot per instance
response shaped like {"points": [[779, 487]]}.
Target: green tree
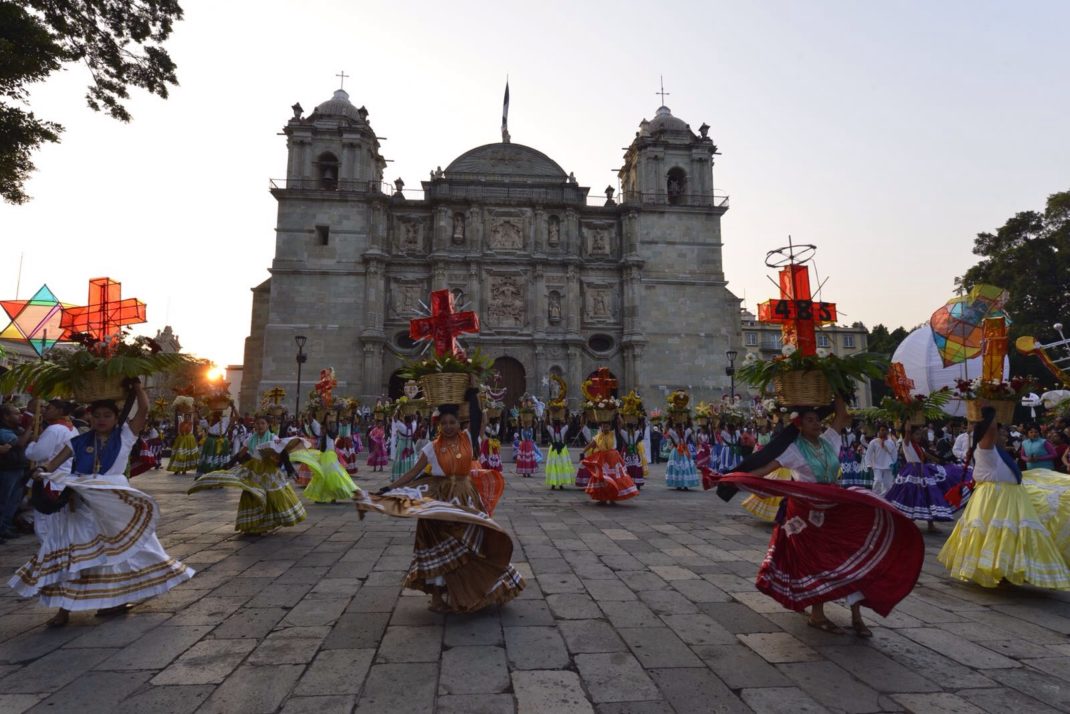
{"points": [[121, 43], [1030, 257], [883, 341]]}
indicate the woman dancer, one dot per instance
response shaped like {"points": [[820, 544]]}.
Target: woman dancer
{"points": [[1037, 452], [461, 556], [559, 469], [490, 450], [215, 451], [267, 500], [634, 456], [102, 554], [377, 457], [1000, 536], [184, 453], [681, 473], [609, 481], [404, 435], [583, 476], [829, 542], [526, 464], [919, 486]]}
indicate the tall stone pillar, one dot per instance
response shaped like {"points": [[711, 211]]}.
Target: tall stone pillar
{"points": [[540, 370], [575, 375], [571, 231], [439, 276], [475, 288], [536, 304], [441, 230], [374, 298], [573, 301], [373, 369], [540, 230]]}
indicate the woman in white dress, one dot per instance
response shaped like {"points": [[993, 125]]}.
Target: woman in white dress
{"points": [[100, 549]]}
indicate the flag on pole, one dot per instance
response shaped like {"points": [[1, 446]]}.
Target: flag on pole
{"points": [[505, 113]]}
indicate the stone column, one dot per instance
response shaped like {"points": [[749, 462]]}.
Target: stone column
{"points": [[540, 231], [540, 370], [439, 276], [475, 288], [574, 370], [537, 301], [571, 231], [373, 369], [630, 231], [441, 229], [630, 296], [573, 301], [473, 230]]}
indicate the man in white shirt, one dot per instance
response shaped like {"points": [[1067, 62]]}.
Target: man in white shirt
{"points": [[56, 435], [881, 454], [962, 445]]}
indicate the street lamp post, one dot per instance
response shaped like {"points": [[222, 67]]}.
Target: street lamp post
{"points": [[301, 359], [730, 370]]}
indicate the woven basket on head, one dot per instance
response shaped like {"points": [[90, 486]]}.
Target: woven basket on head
{"points": [[604, 415], [1004, 409], [803, 389], [97, 386], [444, 387]]}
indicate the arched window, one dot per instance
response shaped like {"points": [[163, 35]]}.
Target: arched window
{"points": [[327, 171], [676, 185]]}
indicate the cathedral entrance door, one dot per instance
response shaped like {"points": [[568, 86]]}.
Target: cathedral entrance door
{"points": [[514, 379]]}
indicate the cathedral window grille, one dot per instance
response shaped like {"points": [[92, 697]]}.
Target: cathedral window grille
{"points": [[676, 185], [327, 171]]}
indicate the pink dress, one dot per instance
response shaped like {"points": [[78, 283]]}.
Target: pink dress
{"points": [[377, 438], [525, 458]]}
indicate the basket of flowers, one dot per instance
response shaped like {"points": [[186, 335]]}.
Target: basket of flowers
{"points": [[444, 379], [603, 410], [219, 399], [600, 405], [558, 403], [678, 411], [95, 369], [271, 402], [800, 379], [1003, 396], [631, 408], [490, 398], [408, 407], [703, 411]]}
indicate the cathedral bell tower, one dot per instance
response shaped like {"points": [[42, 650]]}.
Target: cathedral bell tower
{"points": [[668, 164], [334, 148]]}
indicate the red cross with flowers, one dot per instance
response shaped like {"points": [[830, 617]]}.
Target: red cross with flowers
{"points": [[602, 384], [898, 381], [444, 325], [795, 311], [107, 312]]}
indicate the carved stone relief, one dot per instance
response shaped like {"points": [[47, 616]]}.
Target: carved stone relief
{"points": [[553, 232], [554, 307], [506, 303], [506, 234], [405, 298], [458, 229], [410, 236], [599, 305], [599, 239]]}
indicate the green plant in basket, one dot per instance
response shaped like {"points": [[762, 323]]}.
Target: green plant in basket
{"points": [[67, 372], [475, 363], [841, 372], [920, 408]]}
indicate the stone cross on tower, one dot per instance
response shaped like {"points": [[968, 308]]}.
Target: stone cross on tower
{"points": [[663, 93], [342, 79]]}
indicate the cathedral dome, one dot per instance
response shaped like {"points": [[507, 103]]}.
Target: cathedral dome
{"points": [[338, 106], [664, 121], [505, 161]]}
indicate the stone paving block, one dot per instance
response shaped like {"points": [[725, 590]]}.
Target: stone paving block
{"points": [[584, 636], [413, 611], [120, 632], [302, 575], [615, 677], [940, 703], [474, 670], [700, 591], [475, 704], [208, 611], [1055, 666], [1038, 616], [319, 611], [18, 703], [383, 695], [631, 614], [94, 693], [357, 630], [253, 690], [699, 630], [280, 595], [172, 700], [739, 667], [778, 647], [781, 700], [622, 562], [1004, 700], [653, 707], [37, 643], [207, 662], [606, 590], [673, 572], [384, 578], [922, 659], [659, 647], [639, 580], [54, 670], [549, 566], [759, 602], [594, 571], [958, 649], [560, 583], [156, 648], [737, 618], [833, 686], [535, 648], [410, 644], [336, 672], [335, 588], [879, 671], [1018, 649], [373, 599], [526, 613], [285, 650], [729, 582], [482, 628], [539, 692], [241, 587], [250, 622], [1020, 628], [338, 704], [668, 602], [573, 606], [927, 613], [697, 689]]}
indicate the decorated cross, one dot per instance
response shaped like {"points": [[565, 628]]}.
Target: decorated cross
{"points": [[795, 311], [898, 381], [325, 386], [107, 312], [601, 385], [444, 325]]}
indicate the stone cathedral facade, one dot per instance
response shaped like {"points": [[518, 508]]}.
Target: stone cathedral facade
{"points": [[562, 282]]}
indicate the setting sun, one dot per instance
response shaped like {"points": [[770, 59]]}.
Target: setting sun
{"points": [[216, 374]]}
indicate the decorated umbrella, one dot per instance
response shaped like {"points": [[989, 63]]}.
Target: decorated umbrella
{"points": [[958, 326]]}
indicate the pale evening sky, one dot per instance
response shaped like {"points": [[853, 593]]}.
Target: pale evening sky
{"points": [[887, 133]]}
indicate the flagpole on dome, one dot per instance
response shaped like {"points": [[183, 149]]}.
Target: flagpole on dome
{"points": [[505, 113]]}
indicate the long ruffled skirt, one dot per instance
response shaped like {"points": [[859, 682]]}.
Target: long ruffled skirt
{"points": [[458, 546], [681, 471], [919, 491], [559, 468], [766, 508], [215, 453], [103, 553], [833, 543], [526, 464], [608, 479], [184, 454], [1049, 492], [330, 482], [267, 499], [1001, 537]]}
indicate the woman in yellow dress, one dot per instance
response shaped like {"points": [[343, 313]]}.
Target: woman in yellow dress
{"points": [[609, 481], [999, 535]]}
